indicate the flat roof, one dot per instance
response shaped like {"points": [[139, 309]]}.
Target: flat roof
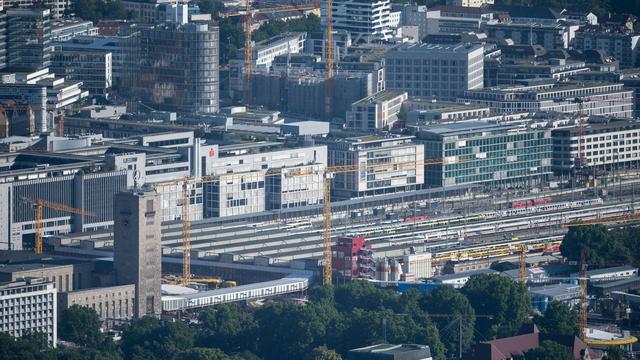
{"points": [[460, 127], [555, 290], [446, 48], [611, 270]]}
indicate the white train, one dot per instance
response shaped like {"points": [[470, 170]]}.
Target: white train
{"points": [[550, 207]]}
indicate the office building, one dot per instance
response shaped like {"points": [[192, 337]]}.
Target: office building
{"points": [[67, 29], [111, 303], [433, 70], [29, 306], [137, 253], [365, 21], [316, 44], [449, 19], [178, 67], [66, 275], [258, 177], [485, 154], [613, 144], [551, 36], [421, 111], [470, 3], [57, 8], [376, 112], [92, 68], [28, 37], [622, 45], [592, 98], [376, 151]]}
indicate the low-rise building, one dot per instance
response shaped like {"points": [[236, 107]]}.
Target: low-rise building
{"points": [[391, 352], [541, 296], [384, 164], [29, 306], [459, 279], [485, 154], [111, 303], [376, 112], [418, 264], [622, 45], [67, 29], [420, 111]]}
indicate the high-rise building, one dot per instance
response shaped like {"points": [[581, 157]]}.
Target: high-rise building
{"points": [[28, 37], [178, 67], [435, 70], [29, 306], [365, 20], [92, 68], [137, 253]]}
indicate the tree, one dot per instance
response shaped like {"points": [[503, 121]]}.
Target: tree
{"points": [[149, 339], [506, 301], [227, 327], [80, 325], [559, 319], [364, 295], [96, 10], [203, 354], [549, 350], [212, 7], [449, 301], [615, 353], [324, 353], [601, 247]]}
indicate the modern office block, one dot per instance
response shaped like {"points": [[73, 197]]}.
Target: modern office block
{"points": [[137, 253], [28, 37], [485, 154], [178, 67], [29, 306], [376, 112], [434, 70], [385, 165], [92, 68]]}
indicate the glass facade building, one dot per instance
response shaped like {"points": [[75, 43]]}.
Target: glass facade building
{"points": [[486, 154]]}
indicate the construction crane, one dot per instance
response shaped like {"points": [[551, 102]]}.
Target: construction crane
{"points": [[186, 234], [247, 15], [327, 270], [39, 205], [522, 268], [329, 61], [583, 296]]}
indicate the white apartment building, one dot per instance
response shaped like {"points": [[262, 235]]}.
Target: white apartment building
{"points": [[604, 99], [365, 20], [606, 145], [378, 111], [385, 165], [249, 178], [28, 306], [435, 70]]}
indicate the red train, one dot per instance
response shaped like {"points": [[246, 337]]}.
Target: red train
{"points": [[551, 249], [417, 218], [522, 204]]}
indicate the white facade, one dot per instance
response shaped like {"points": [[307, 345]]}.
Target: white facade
{"points": [[366, 21], [370, 154], [418, 265], [434, 70], [605, 99], [378, 111], [29, 306], [470, 3]]}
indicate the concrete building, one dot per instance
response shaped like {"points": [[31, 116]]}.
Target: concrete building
{"points": [[376, 151], [541, 296], [365, 21], [317, 45], [67, 29], [551, 36], [28, 37], [65, 275], [178, 67], [517, 72], [604, 99], [253, 178], [376, 112], [622, 45], [29, 306], [449, 19], [137, 253], [418, 264], [92, 68], [486, 154], [422, 111], [57, 8], [391, 352], [111, 303], [606, 145], [432, 70]]}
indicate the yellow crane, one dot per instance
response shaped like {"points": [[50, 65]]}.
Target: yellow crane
{"points": [[39, 204], [247, 15]]}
